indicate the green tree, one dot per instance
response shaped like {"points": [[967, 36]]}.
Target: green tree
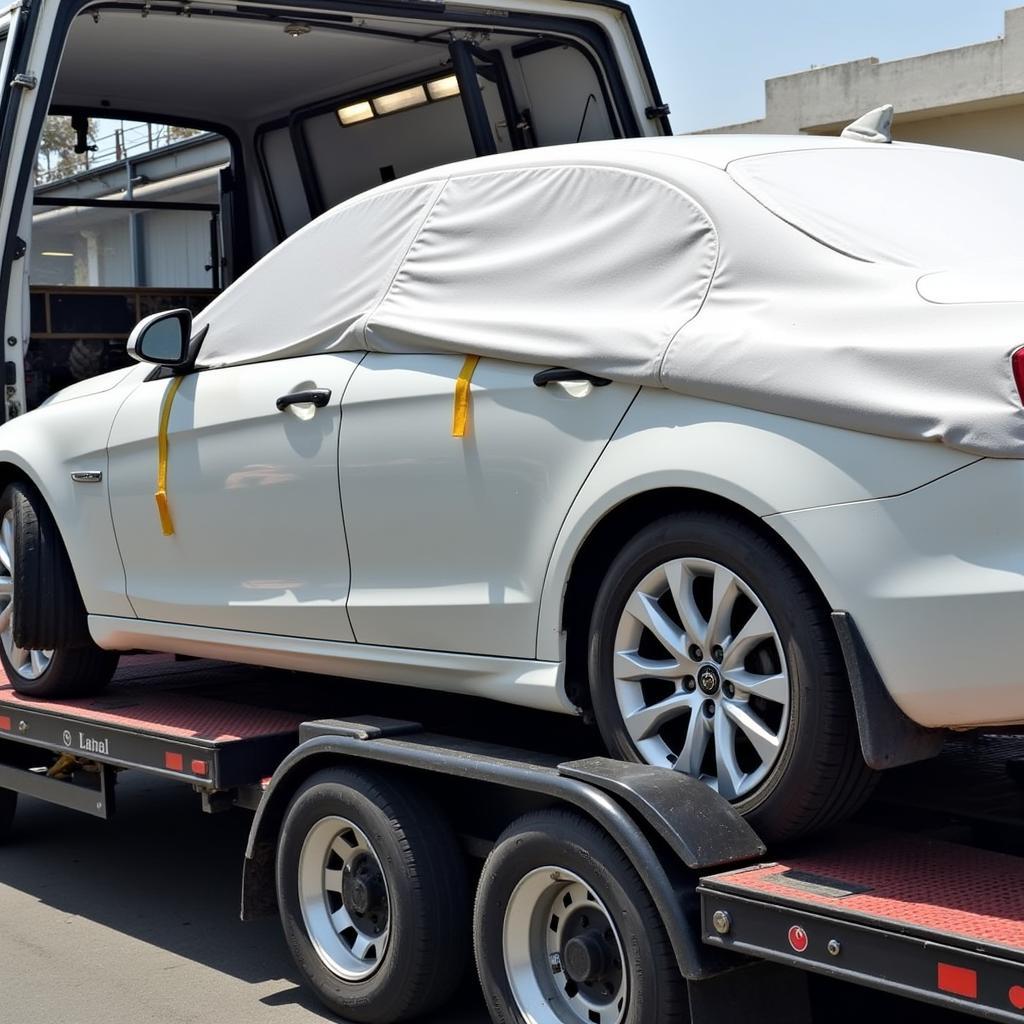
{"points": [[175, 133], [57, 158]]}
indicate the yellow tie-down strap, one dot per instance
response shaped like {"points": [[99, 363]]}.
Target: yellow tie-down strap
{"points": [[460, 413], [166, 522]]}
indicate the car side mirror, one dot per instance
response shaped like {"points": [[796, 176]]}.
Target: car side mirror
{"points": [[162, 338]]}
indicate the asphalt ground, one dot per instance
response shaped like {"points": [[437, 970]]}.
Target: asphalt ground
{"points": [[135, 920]]}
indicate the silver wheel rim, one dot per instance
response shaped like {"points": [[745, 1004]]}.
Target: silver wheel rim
{"points": [[700, 676], [346, 906], [550, 910], [28, 664]]}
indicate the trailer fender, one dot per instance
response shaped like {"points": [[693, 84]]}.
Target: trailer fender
{"points": [[669, 825]]}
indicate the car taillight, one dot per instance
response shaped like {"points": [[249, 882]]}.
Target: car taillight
{"points": [[1017, 362]]}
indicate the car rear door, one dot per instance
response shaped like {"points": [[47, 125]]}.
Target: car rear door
{"points": [[450, 536]]}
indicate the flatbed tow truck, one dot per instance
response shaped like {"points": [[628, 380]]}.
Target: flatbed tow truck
{"points": [[921, 897]]}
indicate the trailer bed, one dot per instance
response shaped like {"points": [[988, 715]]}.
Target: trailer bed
{"points": [[153, 719], [939, 921]]}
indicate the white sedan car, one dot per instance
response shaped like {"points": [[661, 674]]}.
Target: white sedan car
{"points": [[716, 439]]}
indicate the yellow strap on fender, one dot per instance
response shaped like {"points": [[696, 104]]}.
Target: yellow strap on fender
{"points": [[166, 522], [460, 414]]}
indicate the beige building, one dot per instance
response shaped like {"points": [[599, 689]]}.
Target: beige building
{"points": [[971, 97]]}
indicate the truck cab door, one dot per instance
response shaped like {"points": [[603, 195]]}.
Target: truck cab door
{"points": [[25, 35]]}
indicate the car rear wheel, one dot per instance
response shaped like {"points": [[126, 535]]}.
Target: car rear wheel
{"points": [[45, 647], [712, 654]]}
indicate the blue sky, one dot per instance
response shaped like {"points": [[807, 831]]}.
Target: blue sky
{"points": [[711, 57]]}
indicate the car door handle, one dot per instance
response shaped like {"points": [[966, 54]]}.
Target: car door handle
{"points": [[317, 397], [559, 374]]}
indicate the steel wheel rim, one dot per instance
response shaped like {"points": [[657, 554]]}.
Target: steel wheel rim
{"points": [[29, 665], [550, 908], [348, 926], [700, 676]]}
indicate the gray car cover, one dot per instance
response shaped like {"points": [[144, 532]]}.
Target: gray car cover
{"points": [[824, 279]]}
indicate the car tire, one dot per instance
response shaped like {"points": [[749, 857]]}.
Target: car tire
{"points": [[556, 881], [403, 943], [769, 722], [45, 647]]}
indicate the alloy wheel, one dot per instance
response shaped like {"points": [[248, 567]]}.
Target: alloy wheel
{"points": [[700, 676]]}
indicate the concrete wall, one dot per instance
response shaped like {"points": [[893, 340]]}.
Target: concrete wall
{"points": [[971, 97], [999, 130]]}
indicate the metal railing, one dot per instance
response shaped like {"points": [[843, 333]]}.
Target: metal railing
{"points": [[129, 139]]}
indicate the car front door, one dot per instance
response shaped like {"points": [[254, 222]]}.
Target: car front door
{"points": [[258, 542], [450, 536]]}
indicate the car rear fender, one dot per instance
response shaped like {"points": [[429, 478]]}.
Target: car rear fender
{"points": [[762, 463]]}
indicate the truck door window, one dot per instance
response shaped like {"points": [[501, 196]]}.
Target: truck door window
{"points": [[127, 225]]}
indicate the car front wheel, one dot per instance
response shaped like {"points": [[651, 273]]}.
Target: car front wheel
{"points": [[40, 601], [712, 654]]}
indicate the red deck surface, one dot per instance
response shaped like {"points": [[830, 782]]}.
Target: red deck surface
{"points": [[963, 892], [163, 713]]}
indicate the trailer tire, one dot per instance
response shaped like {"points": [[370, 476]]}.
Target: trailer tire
{"points": [[556, 886], [46, 649], [381, 931]]}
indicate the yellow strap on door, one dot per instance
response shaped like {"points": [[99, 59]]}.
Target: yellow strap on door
{"points": [[166, 522], [460, 414]]}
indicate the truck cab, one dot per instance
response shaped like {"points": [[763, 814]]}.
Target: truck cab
{"points": [[311, 104]]}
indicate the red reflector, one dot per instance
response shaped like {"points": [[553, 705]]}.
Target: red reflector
{"points": [[1017, 362], [174, 762], [798, 939], [5, 723], [198, 767], [958, 981], [1017, 997]]}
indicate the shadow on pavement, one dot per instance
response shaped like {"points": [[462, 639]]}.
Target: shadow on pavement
{"points": [[169, 876]]}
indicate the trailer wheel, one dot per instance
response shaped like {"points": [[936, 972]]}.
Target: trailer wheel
{"points": [[566, 932], [373, 897], [45, 647]]}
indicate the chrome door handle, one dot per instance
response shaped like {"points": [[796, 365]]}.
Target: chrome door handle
{"points": [[317, 397], [562, 375]]}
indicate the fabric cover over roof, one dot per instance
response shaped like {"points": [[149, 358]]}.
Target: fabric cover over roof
{"points": [[311, 293], [909, 205], [553, 265], [545, 265], [646, 262]]}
